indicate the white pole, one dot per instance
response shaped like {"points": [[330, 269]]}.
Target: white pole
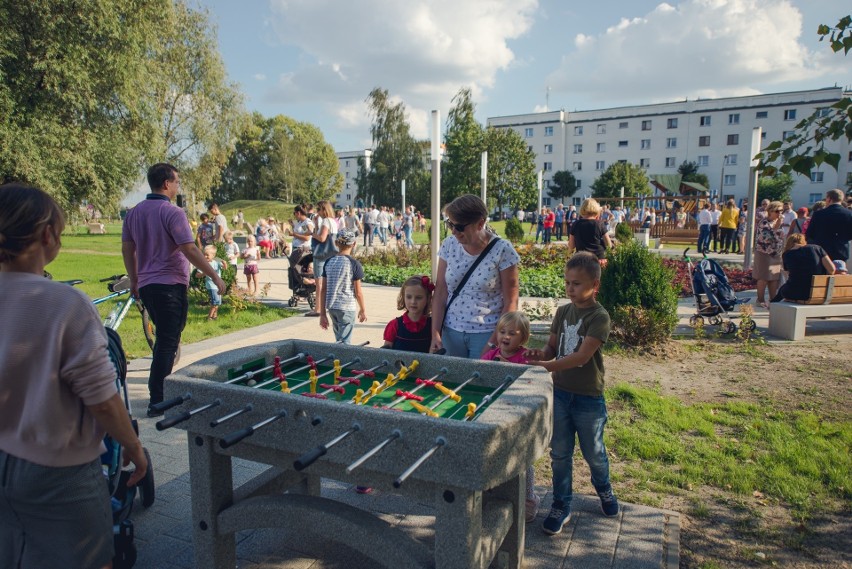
{"points": [[752, 197], [403, 197], [484, 175], [540, 185], [436, 190], [622, 197]]}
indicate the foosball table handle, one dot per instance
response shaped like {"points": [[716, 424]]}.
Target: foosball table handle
{"points": [[166, 405], [235, 437], [172, 421], [309, 457]]}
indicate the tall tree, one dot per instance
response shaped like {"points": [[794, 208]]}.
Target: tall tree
{"points": [[464, 140], [618, 174], [563, 185], [689, 173], [511, 169], [778, 187], [806, 148], [396, 155]]}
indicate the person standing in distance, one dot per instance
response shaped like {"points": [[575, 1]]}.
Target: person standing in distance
{"points": [[220, 223], [156, 243]]}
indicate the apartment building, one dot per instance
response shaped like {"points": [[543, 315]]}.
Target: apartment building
{"points": [[348, 168], [715, 133]]}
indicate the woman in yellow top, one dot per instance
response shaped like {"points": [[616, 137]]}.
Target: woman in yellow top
{"points": [[728, 224]]}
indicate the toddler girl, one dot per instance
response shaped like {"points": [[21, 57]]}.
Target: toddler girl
{"points": [[412, 332], [232, 250], [513, 332], [250, 270], [212, 290]]}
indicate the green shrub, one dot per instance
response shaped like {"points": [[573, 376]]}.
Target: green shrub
{"points": [[514, 230], [623, 232], [637, 291]]}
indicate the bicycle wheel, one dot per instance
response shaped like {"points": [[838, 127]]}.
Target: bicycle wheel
{"points": [[151, 331]]}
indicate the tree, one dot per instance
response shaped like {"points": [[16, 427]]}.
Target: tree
{"points": [[689, 173], [618, 175], [563, 185], [396, 154], [461, 172], [805, 149], [511, 169], [775, 188]]}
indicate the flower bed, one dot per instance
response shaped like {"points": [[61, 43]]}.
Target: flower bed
{"points": [[739, 279]]}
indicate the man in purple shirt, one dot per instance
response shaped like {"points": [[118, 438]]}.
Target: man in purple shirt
{"points": [[157, 245]]}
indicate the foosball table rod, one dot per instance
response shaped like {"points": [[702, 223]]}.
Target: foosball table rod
{"points": [[167, 422], [250, 374], [421, 383], [229, 416], [315, 378], [448, 394], [396, 434], [166, 405], [237, 436], [312, 364], [473, 411], [355, 380], [312, 455], [439, 442]]}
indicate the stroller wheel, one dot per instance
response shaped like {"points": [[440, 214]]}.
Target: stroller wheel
{"points": [[728, 327], [311, 300], [292, 302], [146, 485], [715, 320], [695, 321]]}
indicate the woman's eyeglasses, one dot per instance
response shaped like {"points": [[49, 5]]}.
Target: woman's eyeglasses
{"points": [[459, 227]]}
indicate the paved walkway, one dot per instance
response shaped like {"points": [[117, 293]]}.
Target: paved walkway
{"points": [[640, 537]]}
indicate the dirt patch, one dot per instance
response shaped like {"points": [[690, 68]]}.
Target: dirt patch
{"points": [[725, 529]]}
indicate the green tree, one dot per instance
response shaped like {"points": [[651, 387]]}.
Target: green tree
{"points": [[511, 169], [396, 154], [689, 173], [775, 188], [563, 185], [461, 172], [72, 120], [806, 149], [618, 175]]}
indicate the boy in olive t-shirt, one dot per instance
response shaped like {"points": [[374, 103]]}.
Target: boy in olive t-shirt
{"points": [[573, 356]]}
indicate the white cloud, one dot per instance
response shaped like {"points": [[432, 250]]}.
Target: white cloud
{"points": [[260, 77], [707, 48], [422, 51]]}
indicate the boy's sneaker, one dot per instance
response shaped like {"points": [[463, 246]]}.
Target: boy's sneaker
{"points": [[609, 503], [556, 519], [531, 507]]}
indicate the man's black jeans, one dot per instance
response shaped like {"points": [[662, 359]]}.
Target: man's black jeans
{"points": [[167, 305]]}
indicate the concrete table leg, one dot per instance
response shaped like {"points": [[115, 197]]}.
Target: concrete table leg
{"points": [[514, 491], [458, 529], [212, 491]]}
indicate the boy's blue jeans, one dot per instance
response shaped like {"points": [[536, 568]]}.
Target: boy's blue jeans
{"points": [[582, 417], [342, 322], [703, 238]]}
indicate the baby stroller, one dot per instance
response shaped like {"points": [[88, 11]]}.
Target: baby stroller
{"points": [[300, 259], [713, 295], [121, 496]]}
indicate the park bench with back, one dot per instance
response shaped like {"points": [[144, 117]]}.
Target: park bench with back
{"points": [[831, 296]]}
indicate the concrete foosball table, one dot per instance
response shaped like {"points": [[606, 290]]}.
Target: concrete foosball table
{"points": [[473, 474]]}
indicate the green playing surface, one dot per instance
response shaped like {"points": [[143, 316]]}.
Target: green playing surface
{"points": [[298, 383]]}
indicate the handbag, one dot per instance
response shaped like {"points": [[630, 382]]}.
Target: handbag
{"points": [[467, 275], [323, 250]]}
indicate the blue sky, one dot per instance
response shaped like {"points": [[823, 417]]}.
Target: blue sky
{"points": [[317, 60]]}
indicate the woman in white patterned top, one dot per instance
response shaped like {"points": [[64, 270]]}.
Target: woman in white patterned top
{"points": [[469, 328]]}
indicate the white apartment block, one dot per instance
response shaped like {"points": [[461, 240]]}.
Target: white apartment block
{"points": [[348, 168], [715, 133]]}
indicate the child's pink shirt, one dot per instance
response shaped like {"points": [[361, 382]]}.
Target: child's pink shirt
{"points": [[518, 358]]}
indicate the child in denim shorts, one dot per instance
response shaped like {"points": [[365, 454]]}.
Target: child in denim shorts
{"points": [[212, 291]]}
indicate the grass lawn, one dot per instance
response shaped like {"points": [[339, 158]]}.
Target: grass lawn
{"points": [[93, 257]]}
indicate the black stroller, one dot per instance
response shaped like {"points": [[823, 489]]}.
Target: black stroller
{"points": [[713, 295], [122, 497], [300, 259]]}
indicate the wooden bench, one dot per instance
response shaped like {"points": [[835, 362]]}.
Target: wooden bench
{"points": [[96, 228], [680, 236], [831, 295]]}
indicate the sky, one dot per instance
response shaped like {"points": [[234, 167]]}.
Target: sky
{"points": [[318, 60]]}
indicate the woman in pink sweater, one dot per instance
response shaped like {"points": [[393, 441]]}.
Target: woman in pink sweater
{"points": [[58, 396]]}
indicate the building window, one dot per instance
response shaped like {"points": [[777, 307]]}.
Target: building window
{"points": [[814, 198], [730, 180], [548, 166], [646, 125], [816, 177], [763, 135], [578, 149], [734, 118], [703, 160], [622, 161], [601, 147], [787, 134], [548, 131], [578, 131], [347, 185], [578, 166], [671, 143], [600, 165], [529, 148], [601, 129], [670, 162], [671, 123], [761, 114], [349, 197], [548, 149], [644, 162], [347, 175], [850, 156], [704, 120], [623, 124], [646, 144], [733, 139], [347, 163], [579, 185], [703, 141], [622, 144], [790, 115], [730, 160], [823, 112], [528, 132]]}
